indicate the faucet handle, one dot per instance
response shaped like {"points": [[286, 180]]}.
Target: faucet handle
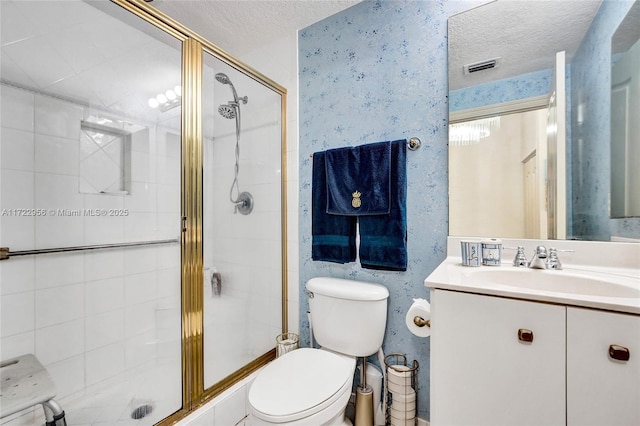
{"points": [[553, 262], [520, 260]]}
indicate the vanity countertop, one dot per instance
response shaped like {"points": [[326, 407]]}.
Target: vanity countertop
{"points": [[614, 289]]}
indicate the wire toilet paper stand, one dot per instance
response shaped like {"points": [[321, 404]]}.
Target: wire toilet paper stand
{"points": [[401, 390]]}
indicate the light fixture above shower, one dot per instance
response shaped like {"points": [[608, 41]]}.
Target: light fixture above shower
{"points": [[231, 110], [167, 100]]}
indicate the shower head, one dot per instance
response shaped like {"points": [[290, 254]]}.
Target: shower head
{"points": [[223, 78], [227, 110]]}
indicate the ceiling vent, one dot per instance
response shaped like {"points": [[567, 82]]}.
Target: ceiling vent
{"points": [[481, 66]]}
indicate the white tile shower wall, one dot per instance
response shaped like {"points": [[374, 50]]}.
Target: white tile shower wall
{"points": [[279, 61], [245, 249], [97, 315]]}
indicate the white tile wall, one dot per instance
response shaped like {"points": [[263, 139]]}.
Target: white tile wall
{"points": [[140, 288], [17, 109], [57, 118], [104, 329], [104, 295], [104, 363], [140, 350], [232, 408], [16, 345], [140, 259], [55, 270], [57, 155], [17, 313], [60, 341], [59, 304], [88, 316], [17, 188], [104, 264], [17, 149], [139, 319], [17, 276], [284, 70], [68, 375], [228, 409]]}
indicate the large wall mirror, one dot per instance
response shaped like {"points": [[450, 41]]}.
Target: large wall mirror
{"points": [[625, 110], [533, 110]]}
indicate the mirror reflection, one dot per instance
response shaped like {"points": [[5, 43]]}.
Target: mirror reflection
{"points": [[625, 105], [551, 187]]}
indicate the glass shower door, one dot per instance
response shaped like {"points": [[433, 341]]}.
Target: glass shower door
{"points": [[242, 219], [90, 205]]}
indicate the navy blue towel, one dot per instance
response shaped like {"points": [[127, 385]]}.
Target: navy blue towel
{"points": [[383, 238], [333, 236], [358, 179]]}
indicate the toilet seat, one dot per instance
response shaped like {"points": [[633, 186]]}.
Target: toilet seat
{"points": [[299, 384]]}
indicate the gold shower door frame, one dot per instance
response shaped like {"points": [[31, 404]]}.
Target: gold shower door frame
{"points": [[193, 47]]}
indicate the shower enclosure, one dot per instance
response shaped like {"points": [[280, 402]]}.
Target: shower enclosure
{"points": [[142, 213]]}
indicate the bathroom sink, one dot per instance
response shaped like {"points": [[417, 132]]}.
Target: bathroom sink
{"points": [[562, 281]]}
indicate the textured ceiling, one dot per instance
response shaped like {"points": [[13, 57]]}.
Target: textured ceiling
{"points": [[241, 26], [525, 35]]}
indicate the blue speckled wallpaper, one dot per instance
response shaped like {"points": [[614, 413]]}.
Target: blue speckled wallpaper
{"points": [[376, 72], [497, 92], [591, 100]]}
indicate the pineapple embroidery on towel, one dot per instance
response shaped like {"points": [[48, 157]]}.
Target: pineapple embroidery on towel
{"points": [[356, 202]]}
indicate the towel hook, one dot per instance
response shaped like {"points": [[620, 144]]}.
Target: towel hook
{"points": [[414, 143]]}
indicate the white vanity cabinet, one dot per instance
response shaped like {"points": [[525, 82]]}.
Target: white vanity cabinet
{"points": [[602, 390], [482, 373]]}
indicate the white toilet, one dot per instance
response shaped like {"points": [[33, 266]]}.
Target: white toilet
{"points": [[312, 386]]}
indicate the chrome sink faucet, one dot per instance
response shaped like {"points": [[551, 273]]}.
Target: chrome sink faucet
{"points": [[538, 261], [541, 259]]}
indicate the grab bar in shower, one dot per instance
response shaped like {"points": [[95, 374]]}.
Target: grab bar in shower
{"points": [[5, 253]]}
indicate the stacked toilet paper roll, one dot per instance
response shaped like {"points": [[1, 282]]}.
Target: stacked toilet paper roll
{"points": [[402, 410], [417, 318]]}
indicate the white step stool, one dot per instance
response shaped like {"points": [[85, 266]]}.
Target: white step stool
{"points": [[26, 383]]}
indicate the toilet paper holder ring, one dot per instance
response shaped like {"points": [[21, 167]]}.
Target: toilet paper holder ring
{"points": [[421, 322]]}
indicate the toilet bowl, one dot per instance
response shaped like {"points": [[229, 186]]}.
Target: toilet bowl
{"points": [[304, 387], [312, 386]]}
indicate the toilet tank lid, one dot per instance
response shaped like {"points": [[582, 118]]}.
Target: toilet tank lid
{"points": [[347, 289]]}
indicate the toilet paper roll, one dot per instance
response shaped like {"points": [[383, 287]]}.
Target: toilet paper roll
{"points": [[419, 308]]}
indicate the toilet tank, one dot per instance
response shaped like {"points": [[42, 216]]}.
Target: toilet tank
{"points": [[348, 316]]}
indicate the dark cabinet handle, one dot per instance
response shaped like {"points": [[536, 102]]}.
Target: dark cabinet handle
{"points": [[619, 353], [525, 335]]}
